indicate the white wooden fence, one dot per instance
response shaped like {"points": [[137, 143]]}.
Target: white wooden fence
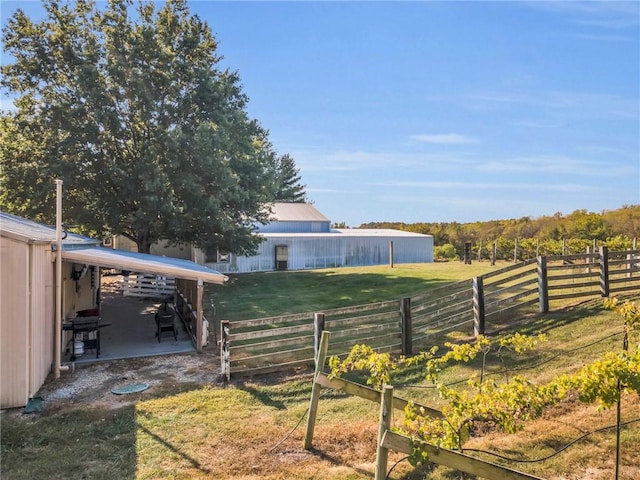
{"points": [[149, 286]]}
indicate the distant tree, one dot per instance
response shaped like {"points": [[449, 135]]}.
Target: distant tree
{"points": [[445, 252], [287, 181], [151, 138]]}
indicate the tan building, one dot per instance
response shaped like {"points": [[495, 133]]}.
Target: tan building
{"points": [[27, 296]]}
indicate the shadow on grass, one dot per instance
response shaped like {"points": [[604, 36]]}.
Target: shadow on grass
{"points": [[77, 443]]}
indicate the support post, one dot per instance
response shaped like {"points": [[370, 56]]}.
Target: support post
{"points": [[478, 306], [406, 326], [604, 271], [386, 417], [543, 285], [57, 348], [494, 253], [318, 328], [225, 353], [315, 390], [515, 251], [199, 327], [391, 254]]}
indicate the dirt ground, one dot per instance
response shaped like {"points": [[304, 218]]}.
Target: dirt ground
{"points": [[92, 383]]}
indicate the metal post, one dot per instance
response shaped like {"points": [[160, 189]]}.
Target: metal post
{"points": [[391, 254], [57, 350]]}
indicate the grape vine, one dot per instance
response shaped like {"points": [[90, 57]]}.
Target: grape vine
{"points": [[505, 405]]}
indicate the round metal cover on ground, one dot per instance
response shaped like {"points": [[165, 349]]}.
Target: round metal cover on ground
{"points": [[138, 387]]}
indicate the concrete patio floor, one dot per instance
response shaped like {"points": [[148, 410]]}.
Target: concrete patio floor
{"points": [[132, 332]]}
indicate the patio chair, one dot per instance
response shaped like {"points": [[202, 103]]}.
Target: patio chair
{"points": [[166, 321]]}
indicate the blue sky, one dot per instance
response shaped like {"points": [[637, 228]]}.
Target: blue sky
{"points": [[442, 111]]}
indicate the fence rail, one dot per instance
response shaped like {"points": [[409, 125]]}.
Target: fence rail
{"points": [[478, 306]]}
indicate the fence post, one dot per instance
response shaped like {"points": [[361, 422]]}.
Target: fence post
{"points": [[494, 253], [405, 326], [391, 254], [604, 271], [318, 328], [478, 306], [315, 390], [515, 251], [225, 354], [543, 284], [386, 417]]}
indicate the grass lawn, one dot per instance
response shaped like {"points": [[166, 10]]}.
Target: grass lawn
{"points": [[267, 294], [253, 428]]}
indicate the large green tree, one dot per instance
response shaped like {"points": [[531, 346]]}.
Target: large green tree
{"points": [[128, 105]]}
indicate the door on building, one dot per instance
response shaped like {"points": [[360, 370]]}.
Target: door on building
{"points": [[282, 257]]}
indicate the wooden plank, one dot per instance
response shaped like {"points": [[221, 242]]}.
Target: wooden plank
{"points": [[278, 367], [456, 460], [436, 292], [284, 342], [364, 319], [369, 393], [431, 319], [531, 272], [575, 295], [364, 330], [569, 286], [572, 266], [274, 332], [513, 288], [526, 293], [623, 289], [453, 297], [271, 357], [362, 308], [572, 276], [577, 256], [260, 322], [510, 268]]}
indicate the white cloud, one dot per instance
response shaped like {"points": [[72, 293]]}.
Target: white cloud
{"points": [[443, 138]]}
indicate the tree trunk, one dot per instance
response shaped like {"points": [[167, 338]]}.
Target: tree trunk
{"points": [[144, 242]]}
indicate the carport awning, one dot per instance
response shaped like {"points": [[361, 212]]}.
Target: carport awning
{"points": [[143, 263]]}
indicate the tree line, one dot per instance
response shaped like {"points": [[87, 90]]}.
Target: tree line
{"points": [[128, 105], [527, 237]]}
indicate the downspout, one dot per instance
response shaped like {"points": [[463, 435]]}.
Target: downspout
{"points": [[57, 346]]}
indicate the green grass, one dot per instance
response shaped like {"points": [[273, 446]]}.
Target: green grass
{"points": [[257, 295], [245, 430]]}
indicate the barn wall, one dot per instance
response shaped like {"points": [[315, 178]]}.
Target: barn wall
{"points": [[314, 252], [14, 323]]}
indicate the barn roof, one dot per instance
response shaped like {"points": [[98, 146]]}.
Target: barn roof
{"points": [[350, 232], [296, 212]]}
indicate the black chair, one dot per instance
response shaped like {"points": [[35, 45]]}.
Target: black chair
{"points": [[166, 321]]}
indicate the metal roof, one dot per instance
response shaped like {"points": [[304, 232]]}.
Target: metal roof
{"points": [[296, 212], [80, 249], [350, 232], [29, 231], [143, 263]]}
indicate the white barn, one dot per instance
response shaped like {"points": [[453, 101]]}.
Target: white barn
{"points": [[301, 238]]}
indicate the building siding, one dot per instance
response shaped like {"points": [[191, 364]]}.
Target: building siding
{"points": [[14, 323], [42, 316], [331, 251]]}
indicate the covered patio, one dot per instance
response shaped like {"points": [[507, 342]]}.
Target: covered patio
{"points": [[131, 332], [127, 325]]}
